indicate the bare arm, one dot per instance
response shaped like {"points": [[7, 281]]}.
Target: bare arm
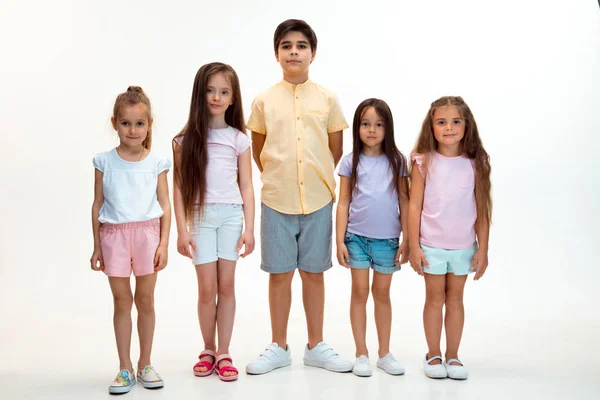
{"points": [[162, 192], [403, 249], [415, 207], [341, 220], [247, 191], [336, 145], [96, 205], [480, 259], [258, 142]]}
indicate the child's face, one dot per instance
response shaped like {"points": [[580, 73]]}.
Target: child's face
{"points": [[448, 126], [218, 94], [132, 124], [294, 54], [372, 129]]}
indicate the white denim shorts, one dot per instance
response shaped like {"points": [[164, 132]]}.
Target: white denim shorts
{"points": [[216, 232]]}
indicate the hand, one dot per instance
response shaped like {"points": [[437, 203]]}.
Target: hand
{"points": [[479, 264], [417, 260], [342, 255], [247, 241], [97, 259], [160, 258], [184, 242], [402, 254]]}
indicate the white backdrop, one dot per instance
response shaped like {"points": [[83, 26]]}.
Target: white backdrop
{"points": [[528, 69]]}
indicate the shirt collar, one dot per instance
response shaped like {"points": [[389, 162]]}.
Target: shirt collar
{"points": [[291, 87]]}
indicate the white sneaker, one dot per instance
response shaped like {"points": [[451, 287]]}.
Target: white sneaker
{"points": [[390, 365], [324, 356], [362, 367], [149, 378], [456, 371], [436, 371], [273, 357]]}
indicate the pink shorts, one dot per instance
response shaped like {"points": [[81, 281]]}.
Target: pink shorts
{"points": [[130, 246]]}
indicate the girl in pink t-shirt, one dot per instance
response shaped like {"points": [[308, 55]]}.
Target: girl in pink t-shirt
{"points": [[214, 206], [449, 216]]}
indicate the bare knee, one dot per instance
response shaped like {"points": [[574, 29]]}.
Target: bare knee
{"points": [[207, 293], [454, 300], [226, 290], [435, 299], [312, 278], [280, 280], [381, 294], [144, 302], [123, 303], [360, 294]]}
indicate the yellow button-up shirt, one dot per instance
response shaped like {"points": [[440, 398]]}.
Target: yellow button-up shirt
{"points": [[297, 163]]}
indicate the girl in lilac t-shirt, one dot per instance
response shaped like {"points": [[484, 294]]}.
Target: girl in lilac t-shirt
{"points": [[370, 216], [448, 225]]}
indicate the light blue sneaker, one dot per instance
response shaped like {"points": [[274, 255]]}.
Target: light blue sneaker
{"points": [[122, 383]]}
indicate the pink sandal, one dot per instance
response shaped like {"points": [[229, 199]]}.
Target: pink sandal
{"points": [[226, 368], [206, 364]]}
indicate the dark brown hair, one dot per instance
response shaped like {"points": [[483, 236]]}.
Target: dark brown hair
{"points": [[132, 96], [190, 145], [295, 25], [472, 149], [395, 158]]}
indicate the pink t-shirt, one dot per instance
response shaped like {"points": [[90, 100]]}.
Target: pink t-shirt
{"points": [[449, 209], [224, 148]]}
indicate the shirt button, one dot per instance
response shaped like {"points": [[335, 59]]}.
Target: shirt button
{"points": [[302, 183], [300, 161], [298, 118], [298, 139], [296, 97]]}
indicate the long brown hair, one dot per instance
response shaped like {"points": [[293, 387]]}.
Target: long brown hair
{"points": [[395, 158], [191, 155], [132, 96], [472, 149]]}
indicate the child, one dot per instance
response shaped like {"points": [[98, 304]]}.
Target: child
{"points": [[373, 188], [297, 140], [213, 189], [450, 206], [131, 218]]}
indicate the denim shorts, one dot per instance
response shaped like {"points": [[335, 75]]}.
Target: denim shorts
{"points": [[441, 262], [216, 232], [379, 254], [290, 241]]}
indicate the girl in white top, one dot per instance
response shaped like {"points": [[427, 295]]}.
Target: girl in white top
{"points": [[131, 218], [213, 197]]}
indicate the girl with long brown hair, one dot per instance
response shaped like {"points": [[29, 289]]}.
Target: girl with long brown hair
{"points": [[372, 209], [450, 212], [214, 206]]}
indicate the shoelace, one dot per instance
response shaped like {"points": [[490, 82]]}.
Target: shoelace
{"points": [[362, 360]]}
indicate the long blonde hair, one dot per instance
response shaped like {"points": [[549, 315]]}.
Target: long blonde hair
{"points": [[472, 149]]}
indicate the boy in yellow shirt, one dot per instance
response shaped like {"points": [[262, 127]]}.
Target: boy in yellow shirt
{"points": [[297, 141]]}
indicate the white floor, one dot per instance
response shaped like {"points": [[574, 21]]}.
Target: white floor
{"points": [[57, 340]]}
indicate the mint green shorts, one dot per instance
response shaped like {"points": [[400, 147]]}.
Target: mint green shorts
{"points": [[442, 262]]}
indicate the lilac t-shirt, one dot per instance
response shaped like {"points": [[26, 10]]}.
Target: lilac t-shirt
{"points": [[374, 209], [449, 209], [224, 148]]}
